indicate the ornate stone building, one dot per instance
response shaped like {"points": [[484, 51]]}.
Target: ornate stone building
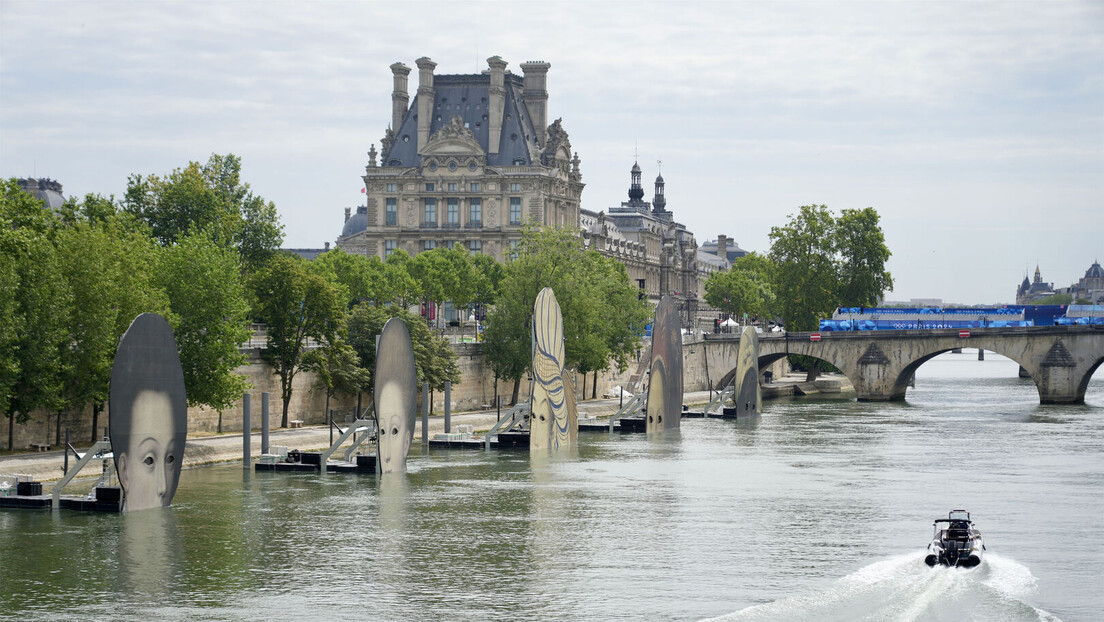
{"points": [[1030, 291], [661, 256], [1089, 287], [469, 161]]}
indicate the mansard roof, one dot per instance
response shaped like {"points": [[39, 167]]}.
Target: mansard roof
{"points": [[1095, 271], [467, 96]]}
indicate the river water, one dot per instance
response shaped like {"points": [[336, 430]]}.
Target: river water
{"points": [[818, 510]]}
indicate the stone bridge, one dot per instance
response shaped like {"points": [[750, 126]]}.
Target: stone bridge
{"points": [[1060, 359]]}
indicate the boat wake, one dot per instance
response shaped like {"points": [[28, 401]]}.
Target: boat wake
{"points": [[904, 589]]}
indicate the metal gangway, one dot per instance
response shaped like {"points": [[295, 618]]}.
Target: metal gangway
{"points": [[720, 398], [517, 414], [632, 408], [101, 450], [366, 429]]}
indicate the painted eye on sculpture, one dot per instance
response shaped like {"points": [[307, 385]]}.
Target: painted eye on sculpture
{"points": [[170, 458], [394, 430], [148, 461]]}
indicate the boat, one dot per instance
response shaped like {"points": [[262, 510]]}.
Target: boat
{"points": [[956, 542]]}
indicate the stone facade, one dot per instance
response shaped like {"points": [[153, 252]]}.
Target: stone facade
{"points": [[660, 255], [470, 161], [1028, 292]]}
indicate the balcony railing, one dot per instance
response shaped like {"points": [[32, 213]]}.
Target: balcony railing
{"points": [[429, 225], [451, 225], [473, 224]]}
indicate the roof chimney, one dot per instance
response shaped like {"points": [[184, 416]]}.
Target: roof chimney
{"points": [[497, 103], [722, 247], [426, 99], [535, 93], [400, 100]]}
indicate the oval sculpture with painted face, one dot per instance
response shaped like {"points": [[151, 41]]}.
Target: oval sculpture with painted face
{"points": [[664, 410], [148, 413], [551, 425], [396, 388]]}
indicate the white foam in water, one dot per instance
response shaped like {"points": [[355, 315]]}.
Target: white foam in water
{"points": [[904, 589]]}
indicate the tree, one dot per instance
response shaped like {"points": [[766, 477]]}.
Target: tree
{"points": [[804, 251], [435, 361], [337, 369], [863, 279], [823, 263], [207, 196], [401, 288], [297, 307], [362, 278], [107, 260], [746, 287], [210, 316], [602, 313], [41, 297]]}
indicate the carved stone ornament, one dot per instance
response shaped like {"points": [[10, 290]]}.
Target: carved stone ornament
{"points": [[453, 138], [410, 219], [387, 141], [492, 212]]}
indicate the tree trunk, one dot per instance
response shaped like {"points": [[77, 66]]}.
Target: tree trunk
{"points": [[813, 371], [517, 385], [220, 421], [594, 387], [11, 430], [95, 420]]}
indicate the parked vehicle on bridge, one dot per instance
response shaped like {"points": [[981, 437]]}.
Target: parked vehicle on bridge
{"points": [[956, 542]]}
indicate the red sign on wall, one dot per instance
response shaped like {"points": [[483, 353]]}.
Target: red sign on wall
{"points": [[814, 337], [963, 334]]}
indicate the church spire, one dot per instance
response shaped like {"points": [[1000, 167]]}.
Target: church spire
{"points": [[636, 191]]}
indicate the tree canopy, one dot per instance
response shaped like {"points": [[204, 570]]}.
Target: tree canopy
{"points": [[746, 287], [822, 262], [210, 197]]}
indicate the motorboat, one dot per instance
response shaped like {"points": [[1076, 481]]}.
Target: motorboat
{"points": [[956, 542]]}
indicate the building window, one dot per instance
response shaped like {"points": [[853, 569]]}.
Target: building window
{"points": [[474, 186], [392, 213], [515, 210], [450, 244], [453, 213], [475, 246], [429, 187], [452, 186], [514, 249], [389, 247], [475, 212], [428, 245], [515, 187], [431, 212], [390, 187]]}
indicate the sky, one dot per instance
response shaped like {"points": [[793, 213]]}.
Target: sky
{"points": [[975, 129]]}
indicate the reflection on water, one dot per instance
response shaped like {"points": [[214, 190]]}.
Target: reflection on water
{"points": [[816, 510]]}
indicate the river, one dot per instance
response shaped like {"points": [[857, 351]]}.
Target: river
{"points": [[818, 510]]}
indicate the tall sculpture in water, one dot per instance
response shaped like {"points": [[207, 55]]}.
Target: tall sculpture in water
{"points": [[148, 413], [396, 390], [747, 394], [665, 380], [553, 422]]}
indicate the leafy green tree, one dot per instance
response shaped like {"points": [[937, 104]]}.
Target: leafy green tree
{"points": [[298, 307], [804, 251], [1058, 299], [401, 287], [210, 316], [337, 369], [435, 361], [32, 378], [207, 196], [863, 278], [746, 287], [107, 260], [602, 314], [362, 278]]}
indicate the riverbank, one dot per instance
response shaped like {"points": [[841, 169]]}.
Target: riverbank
{"points": [[202, 450]]}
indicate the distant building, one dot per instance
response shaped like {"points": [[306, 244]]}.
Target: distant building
{"points": [[46, 190], [723, 247], [310, 254], [659, 254], [470, 161], [1089, 287], [1030, 292]]}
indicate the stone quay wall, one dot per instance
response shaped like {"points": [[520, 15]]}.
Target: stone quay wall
{"points": [[476, 391]]}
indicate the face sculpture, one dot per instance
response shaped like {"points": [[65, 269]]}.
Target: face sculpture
{"points": [[665, 382], [148, 466], [148, 415], [396, 391]]}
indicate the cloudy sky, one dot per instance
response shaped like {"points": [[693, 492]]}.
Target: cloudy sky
{"points": [[975, 129]]}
